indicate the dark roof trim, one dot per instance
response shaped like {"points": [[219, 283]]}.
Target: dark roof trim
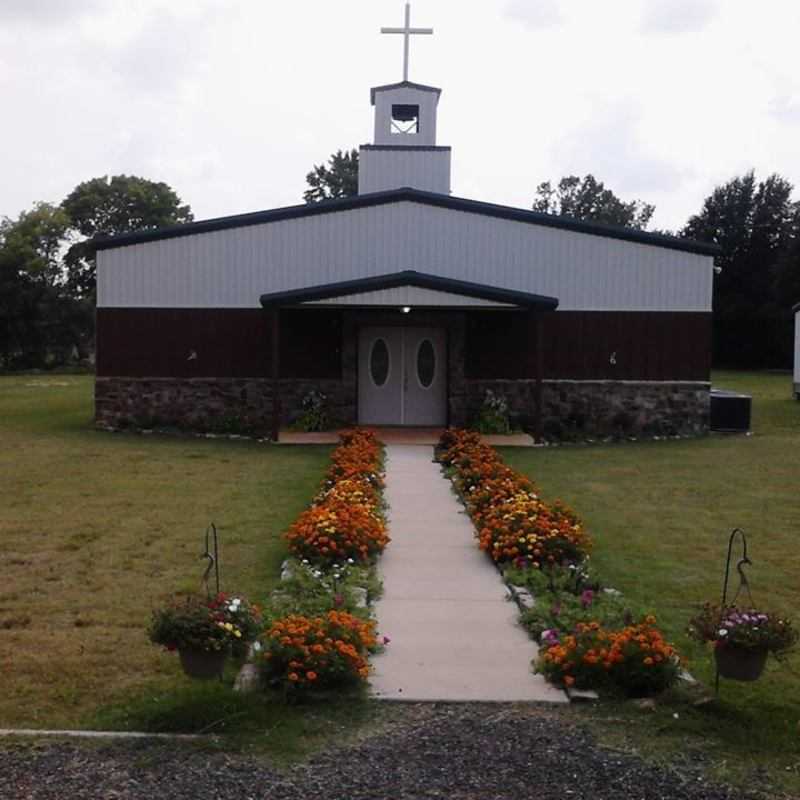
{"points": [[414, 196], [437, 148], [409, 277], [402, 85]]}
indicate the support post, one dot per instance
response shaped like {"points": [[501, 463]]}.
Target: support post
{"points": [[276, 372], [536, 323]]}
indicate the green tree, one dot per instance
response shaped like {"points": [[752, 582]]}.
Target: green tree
{"points": [[114, 206], [588, 199], [33, 306], [755, 223], [787, 277], [338, 179]]}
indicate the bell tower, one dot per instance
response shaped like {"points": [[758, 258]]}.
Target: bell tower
{"points": [[404, 153]]}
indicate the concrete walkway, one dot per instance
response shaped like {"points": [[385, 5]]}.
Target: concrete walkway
{"points": [[453, 634]]}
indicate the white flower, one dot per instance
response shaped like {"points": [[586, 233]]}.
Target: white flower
{"points": [[723, 632], [257, 646]]}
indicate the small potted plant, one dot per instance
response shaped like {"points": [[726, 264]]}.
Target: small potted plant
{"points": [[493, 415], [743, 638], [204, 631]]}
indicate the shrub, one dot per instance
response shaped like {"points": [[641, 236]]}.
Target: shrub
{"points": [[493, 414], [301, 653], [314, 415], [635, 659]]}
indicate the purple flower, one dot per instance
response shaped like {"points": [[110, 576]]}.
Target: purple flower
{"points": [[386, 640], [587, 597], [550, 636]]}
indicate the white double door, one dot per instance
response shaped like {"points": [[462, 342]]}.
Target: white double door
{"points": [[402, 376]]}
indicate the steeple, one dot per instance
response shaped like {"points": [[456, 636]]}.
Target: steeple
{"points": [[404, 153]]}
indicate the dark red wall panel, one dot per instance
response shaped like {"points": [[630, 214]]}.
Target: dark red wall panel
{"points": [[581, 345], [224, 343]]}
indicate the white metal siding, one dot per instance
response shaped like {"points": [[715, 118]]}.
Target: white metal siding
{"points": [[231, 268], [411, 296], [381, 170], [797, 350], [427, 102]]}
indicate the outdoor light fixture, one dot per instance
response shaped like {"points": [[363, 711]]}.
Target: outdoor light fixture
{"points": [[406, 309]]}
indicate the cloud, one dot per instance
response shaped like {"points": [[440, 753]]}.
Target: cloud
{"points": [[44, 12], [786, 109], [609, 148], [677, 16], [535, 14]]}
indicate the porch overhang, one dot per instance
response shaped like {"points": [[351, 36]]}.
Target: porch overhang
{"points": [[448, 293]]}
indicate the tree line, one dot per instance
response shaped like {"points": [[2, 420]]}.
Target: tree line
{"points": [[755, 223], [47, 260], [47, 265]]}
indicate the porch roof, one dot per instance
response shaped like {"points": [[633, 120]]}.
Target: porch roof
{"points": [[455, 288]]}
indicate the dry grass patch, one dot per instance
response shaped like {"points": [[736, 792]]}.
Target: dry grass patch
{"points": [[99, 528]]}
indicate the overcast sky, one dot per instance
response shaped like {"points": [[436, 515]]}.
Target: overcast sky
{"points": [[231, 102]]}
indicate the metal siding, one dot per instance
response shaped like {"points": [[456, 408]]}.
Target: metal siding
{"points": [[382, 170], [409, 296], [797, 348], [231, 268], [427, 102]]}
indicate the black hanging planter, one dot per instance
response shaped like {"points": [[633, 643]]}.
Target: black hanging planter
{"points": [[204, 665], [740, 663]]}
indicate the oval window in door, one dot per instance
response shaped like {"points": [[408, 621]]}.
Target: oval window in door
{"points": [[379, 362], [426, 363]]}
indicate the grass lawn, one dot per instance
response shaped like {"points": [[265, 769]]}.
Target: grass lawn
{"points": [[660, 514], [99, 528]]}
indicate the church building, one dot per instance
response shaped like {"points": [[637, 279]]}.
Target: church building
{"points": [[403, 305]]}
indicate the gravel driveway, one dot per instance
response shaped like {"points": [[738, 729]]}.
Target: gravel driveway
{"points": [[457, 752]]}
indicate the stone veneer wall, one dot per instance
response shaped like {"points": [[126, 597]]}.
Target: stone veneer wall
{"points": [[211, 404], [572, 409], [579, 409]]}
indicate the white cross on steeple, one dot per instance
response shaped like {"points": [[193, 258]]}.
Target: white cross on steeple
{"points": [[407, 32]]}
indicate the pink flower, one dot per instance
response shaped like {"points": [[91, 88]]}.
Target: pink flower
{"points": [[587, 597]]}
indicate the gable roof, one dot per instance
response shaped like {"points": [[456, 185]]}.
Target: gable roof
{"points": [[409, 277], [420, 87], [415, 196]]}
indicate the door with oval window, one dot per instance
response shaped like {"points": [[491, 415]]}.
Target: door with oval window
{"points": [[402, 376]]}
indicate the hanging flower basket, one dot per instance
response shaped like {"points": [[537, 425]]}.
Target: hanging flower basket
{"points": [[202, 664], [740, 663]]}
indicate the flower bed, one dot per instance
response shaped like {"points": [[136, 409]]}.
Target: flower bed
{"points": [[514, 524], [587, 635], [300, 653], [320, 630], [346, 519], [635, 659]]}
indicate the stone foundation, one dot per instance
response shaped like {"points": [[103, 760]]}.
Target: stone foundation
{"points": [[572, 409], [225, 405], [598, 409]]}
